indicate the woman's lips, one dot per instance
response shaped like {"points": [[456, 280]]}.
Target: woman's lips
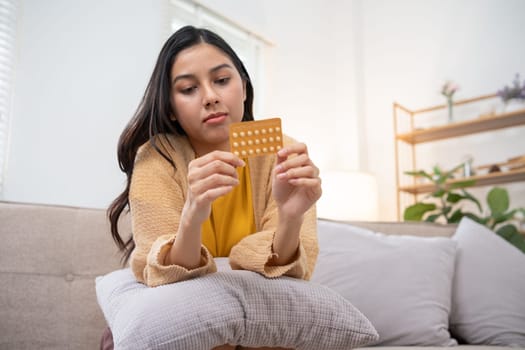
{"points": [[215, 118]]}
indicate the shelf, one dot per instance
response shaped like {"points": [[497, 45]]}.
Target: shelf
{"points": [[468, 127], [481, 180]]}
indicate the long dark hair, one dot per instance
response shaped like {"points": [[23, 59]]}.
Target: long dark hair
{"points": [[153, 116]]}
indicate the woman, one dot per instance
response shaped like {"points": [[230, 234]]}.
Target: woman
{"points": [[190, 199]]}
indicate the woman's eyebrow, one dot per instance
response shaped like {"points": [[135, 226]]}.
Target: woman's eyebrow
{"points": [[192, 76]]}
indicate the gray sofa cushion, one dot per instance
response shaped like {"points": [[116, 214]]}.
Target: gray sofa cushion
{"points": [[403, 284], [489, 288]]}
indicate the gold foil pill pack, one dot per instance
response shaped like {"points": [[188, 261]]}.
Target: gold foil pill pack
{"points": [[256, 138]]}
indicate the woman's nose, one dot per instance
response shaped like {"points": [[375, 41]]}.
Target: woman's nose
{"points": [[210, 96]]}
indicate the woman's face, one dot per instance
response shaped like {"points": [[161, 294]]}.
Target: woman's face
{"points": [[207, 95]]}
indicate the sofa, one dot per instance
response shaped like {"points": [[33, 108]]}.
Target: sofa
{"points": [[51, 256]]}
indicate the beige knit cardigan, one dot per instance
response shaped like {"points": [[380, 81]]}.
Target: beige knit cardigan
{"points": [[157, 196]]}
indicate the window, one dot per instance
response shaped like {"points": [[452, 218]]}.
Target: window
{"points": [[248, 45], [8, 12]]}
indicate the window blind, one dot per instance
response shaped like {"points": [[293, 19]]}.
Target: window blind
{"points": [[8, 13]]}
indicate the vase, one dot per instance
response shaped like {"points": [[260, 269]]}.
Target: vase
{"points": [[450, 104]]}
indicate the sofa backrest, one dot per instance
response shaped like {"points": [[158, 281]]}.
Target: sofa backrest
{"points": [[412, 228], [49, 258]]}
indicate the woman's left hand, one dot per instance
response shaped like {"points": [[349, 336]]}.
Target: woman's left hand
{"points": [[296, 182]]}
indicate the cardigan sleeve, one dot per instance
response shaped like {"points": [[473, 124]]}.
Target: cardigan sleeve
{"points": [[156, 200], [255, 252]]}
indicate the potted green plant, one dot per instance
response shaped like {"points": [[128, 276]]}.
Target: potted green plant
{"points": [[445, 204]]}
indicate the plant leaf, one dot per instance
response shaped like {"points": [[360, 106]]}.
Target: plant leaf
{"points": [[478, 219], [462, 184], [419, 173], [454, 197], [415, 212], [498, 201], [505, 217], [510, 233], [467, 195], [456, 217], [439, 193], [432, 218]]}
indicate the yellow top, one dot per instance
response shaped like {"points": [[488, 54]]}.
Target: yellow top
{"points": [[231, 217]]}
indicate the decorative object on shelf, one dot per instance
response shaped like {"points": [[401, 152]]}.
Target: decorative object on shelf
{"points": [[468, 170], [513, 96], [448, 90], [444, 204]]}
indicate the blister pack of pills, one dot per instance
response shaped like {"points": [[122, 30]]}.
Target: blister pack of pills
{"points": [[256, 138]]}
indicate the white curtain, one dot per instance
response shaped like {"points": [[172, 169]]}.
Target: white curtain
{"points": [[8, 13]]}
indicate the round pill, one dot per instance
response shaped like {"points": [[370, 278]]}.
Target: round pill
{"points": [[243, 152], [270, 129], [236, 153], [277, 138], [249, 133], [250, 151], [258, 150], [243, 143], [241, 133], [265, 149], [235, 144], [272, 148], [256, 132], [270, 139], [277, 129], [235, 134], [263, 131], [257, 141], [250, 142]]}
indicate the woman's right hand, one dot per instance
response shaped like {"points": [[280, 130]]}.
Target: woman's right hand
{"points": [[209, 177]]}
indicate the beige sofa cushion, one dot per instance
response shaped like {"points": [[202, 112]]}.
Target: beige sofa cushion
{"points": [[49, 258]]}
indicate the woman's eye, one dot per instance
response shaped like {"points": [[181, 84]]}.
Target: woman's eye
{"points": [[223, 81], [188, 90]]}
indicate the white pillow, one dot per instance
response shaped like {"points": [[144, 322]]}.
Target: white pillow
{"points": [[229, 307], [403, 284], [488, 300]]}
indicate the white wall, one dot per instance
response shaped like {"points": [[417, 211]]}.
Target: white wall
{"points": [[332, 76], [311, 71], [410, 48], [82, 69]]}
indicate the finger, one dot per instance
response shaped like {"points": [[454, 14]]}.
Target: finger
{"points": [[306, 182], [212, 182], [294, 148], [226, 157], [294, 162], [300, 172], [214, 193], [216, 167]]}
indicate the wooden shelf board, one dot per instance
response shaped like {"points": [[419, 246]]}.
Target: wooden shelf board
{"points": [[468, 127], [481, 180]]}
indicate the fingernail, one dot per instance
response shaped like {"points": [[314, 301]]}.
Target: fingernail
{"points": [[281, 152]]}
